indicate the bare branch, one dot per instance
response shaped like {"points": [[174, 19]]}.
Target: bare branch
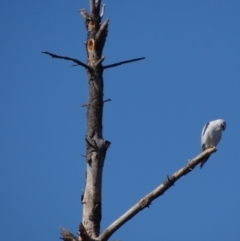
{"points": [[67, 58], [84, 14], [83, 105], [103, 10], [107, 100], [97, 3], [146, 201], [102, 29], [123, 62], [67, 236], [92, 6]]}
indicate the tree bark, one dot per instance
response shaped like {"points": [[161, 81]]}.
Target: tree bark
{"points": [[95, 144]]}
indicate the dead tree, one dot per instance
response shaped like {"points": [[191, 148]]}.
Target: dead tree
{"points": [[96, 145]]}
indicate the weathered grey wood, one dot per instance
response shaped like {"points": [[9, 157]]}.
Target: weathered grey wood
{"points": [[95, 144], [67, 236], [146, 201]]}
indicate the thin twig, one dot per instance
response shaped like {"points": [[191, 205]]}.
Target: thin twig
{"points": [[146, 201], [67, 58], [122, 62], [107, 100], [83, 105]]}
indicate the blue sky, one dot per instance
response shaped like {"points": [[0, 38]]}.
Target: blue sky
{"points": [[159, 106]]}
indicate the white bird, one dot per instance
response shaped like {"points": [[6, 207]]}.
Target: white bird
{"points": [[211, 135]]}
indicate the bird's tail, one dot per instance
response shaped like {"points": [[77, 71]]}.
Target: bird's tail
{"points": [[204, 161]]}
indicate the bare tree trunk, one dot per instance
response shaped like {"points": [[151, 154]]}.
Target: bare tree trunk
{"points": [[96, 145]]}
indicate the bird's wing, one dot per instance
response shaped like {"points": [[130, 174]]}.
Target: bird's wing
{"points": [[205, 128], [203, 162], [203, 137]]}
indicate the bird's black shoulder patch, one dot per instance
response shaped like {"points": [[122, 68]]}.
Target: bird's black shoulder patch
{"points": [[205, 128]]}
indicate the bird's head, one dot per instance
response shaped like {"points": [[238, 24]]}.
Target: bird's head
{"points": [[223, 124]]}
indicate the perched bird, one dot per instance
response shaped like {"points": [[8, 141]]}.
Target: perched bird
{"points": [[211, 135]]}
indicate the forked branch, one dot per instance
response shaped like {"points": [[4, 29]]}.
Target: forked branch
{"points": [[146, 201], [78, 62], [122, 62]]}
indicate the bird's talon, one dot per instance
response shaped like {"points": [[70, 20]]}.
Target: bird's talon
{"points": [[171, 181]]}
